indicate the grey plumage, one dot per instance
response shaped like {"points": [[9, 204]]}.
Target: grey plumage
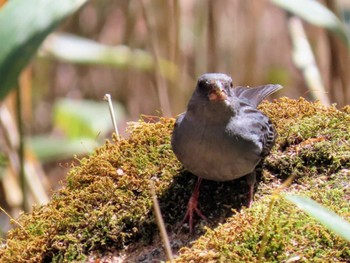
{"points": [[223, 139], [222, 136]]}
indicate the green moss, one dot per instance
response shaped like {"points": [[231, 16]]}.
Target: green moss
{"points": [[289, 232], [313, 139], [106, 202], [313, 146], [106, 205]]}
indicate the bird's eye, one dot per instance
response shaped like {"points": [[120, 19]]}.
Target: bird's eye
{"points": [[200, 83], [203, 85], [231, 85]]}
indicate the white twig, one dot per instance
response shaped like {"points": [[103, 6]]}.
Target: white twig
{"points": [[107, 97], [161, 225]]}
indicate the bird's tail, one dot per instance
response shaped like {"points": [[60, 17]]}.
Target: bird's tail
{"points": [[257, 94]]}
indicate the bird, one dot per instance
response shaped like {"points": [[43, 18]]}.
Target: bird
{"points": [[222, 136]]}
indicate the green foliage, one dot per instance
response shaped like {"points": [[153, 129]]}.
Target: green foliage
{"points": [[85, 118], [328, 218], [80, 50], [319, 16], [24, 24], [48, 148], [3, 163], [84, 123]]}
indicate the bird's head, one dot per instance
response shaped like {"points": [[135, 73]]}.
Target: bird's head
{"points": [[212, 97], [214, 87]]}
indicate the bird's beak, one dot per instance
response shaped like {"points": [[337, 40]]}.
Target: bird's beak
{"points": [[217, 93]]}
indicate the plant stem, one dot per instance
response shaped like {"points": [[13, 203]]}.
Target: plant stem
{"points": [[161, 226], [21, 148], [107, 97]]}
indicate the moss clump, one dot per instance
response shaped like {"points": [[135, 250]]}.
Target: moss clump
{"points": [[290, 233], [313, 139], [313, 146], [106, 202]]}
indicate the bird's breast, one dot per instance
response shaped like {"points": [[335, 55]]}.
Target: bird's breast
{"points": [[213, 153]]}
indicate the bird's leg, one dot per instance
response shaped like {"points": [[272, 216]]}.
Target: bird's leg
{"points": [[251, 179], [192, 206]]}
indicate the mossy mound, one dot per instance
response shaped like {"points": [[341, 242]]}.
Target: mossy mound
{"points": [[291, 235], [313, 139], [314, 147], [106, 203]]}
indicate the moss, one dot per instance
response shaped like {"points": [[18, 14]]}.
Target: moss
{"points": [[313, 146], [313, 139], [106, 205], [290, 232], [106, 201]]}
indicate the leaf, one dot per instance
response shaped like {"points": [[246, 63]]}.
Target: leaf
{"points": [[80, 50], [24, 24], [315, 13], [327, 217], [48, 148], [85, 118]]}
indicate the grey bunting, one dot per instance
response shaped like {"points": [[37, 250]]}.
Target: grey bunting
{"points": [[222, 136]]}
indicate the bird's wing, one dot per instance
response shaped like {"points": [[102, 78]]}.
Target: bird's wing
{"points": [[179, 118], [268, 138], [255, 95]]}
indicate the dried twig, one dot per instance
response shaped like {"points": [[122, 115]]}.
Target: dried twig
{"points": [[161, 225], [107, 98], [14, 220]]}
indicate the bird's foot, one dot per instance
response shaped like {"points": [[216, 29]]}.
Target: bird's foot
{"points": [[192, 209], [251, 179], [250, 196]]}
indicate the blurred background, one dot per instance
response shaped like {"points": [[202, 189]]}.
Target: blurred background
{"points": [[147, 55]]}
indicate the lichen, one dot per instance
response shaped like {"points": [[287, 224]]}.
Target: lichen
{"points": [[105, 204]]}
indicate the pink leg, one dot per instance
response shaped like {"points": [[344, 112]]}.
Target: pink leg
{"points": [[250, 195], [251, 179], [193, 206]]}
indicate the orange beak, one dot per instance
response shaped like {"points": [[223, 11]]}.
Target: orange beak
{"points": [[217, 93]]}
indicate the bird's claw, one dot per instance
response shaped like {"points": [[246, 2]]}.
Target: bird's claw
{"points": [[191, 210]]}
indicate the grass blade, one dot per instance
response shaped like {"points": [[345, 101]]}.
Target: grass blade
{"points": [[325, 216]]}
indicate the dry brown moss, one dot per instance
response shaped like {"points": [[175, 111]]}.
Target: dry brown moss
{"points": [[106, 202]]}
